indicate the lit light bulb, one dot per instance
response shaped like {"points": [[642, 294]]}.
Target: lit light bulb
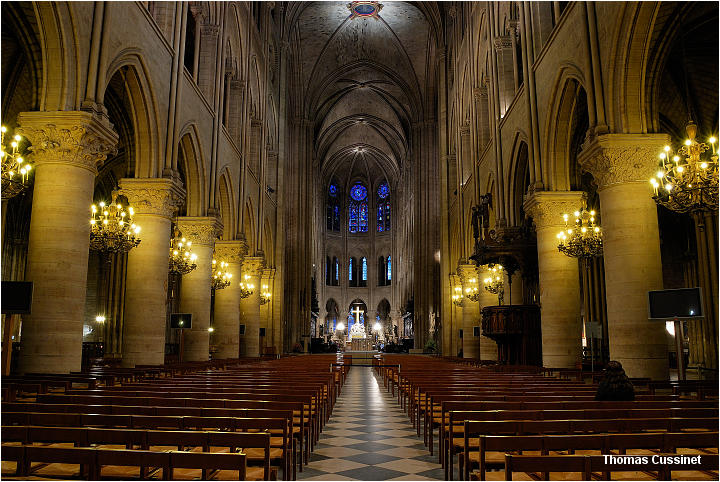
{"points": [[667, 148], [712, 140], [688, 142], [668, 187]]}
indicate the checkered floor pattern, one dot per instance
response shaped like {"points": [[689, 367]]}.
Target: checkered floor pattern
{"points": [[369, 437]]}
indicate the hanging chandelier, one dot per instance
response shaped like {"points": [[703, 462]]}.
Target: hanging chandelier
{"points": [[687, 181], [246, 288], [265, 295], [457, 296], [472, 292], [584, 239], [220, 277], [182, 260], [494, 283], [15, 169], [111, 227]]}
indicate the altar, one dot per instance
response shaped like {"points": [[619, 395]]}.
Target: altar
{"points": [[358, 344]]}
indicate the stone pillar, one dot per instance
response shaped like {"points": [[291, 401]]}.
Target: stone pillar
{"points": [[226, 324], [488, 346], [266, 310], [622, 164], [67, 148], [195, 287], [505, 61], [146, 283], [250, 307], [559, 279], [470, 312]]}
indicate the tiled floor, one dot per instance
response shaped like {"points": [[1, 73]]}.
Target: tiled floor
{"points": [[369, 437]]}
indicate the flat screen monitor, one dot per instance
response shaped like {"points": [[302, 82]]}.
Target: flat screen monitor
{"points": [[681, 304], [16, 297], [181, 320]]}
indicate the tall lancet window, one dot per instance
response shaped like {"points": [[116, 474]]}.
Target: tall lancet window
{"points": [[389, 270], [383, 207], [358, 209], [333, 208], [363, 271]]}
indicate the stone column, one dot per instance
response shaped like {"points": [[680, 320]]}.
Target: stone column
{"points": [[559, 279], [250, 307], [470, 312], [268, 275], [195, 287], [488, 346], [67, 148], [622, 164], [154, 201], [226, 324]]}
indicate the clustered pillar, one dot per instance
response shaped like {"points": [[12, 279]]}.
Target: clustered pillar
{"points": [[68, 147], [559, 279], [146, 285], [226, 323], [196, 286]]}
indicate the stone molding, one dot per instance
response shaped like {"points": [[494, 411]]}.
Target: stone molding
{"points": [[74, 138], [547, 207], [159, 196], [622, 158], [253, 266], [202, 231], [231, 251]]}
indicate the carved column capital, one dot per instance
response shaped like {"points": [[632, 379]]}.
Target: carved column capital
{"points": [[202, 231], [158, 196], [253, 265], [268, 274], [231, 251], [210, 30], [480, 93], [547, 207], [76, 138], [621, 158], [502, 43]]}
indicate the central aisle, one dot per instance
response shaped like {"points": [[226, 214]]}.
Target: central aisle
{"points": [[369, 437]]}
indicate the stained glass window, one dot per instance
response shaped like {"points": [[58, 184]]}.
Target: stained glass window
{"points": [[383, 210], [383, 190], [350, 270], [337, 271], [358, 209], [364, 269], [333, 208], [389, 269], [358, 192]]}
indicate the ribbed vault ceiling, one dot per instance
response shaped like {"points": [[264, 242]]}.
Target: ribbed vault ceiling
{"points": [[363, 82]]}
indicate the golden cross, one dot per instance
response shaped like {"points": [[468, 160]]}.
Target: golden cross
{"points": [[357, 312]]}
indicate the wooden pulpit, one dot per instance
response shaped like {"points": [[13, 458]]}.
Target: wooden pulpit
{"points": [[516, 330]]}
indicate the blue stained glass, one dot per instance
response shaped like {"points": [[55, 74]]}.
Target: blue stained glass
{"points": [[383, 190], [363, 222], [389, 273], [364, 269], [380, 224], [337, 271], [358, 192], [387, 216], [353, 224], [350, 269], [333, 190]]}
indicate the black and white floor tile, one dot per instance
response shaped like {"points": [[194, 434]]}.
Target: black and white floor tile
{"points": [[369, 437]]}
